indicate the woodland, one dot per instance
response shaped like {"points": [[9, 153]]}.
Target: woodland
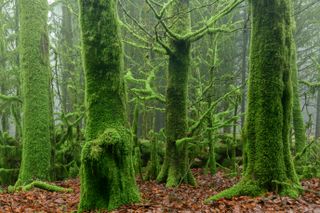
{"points": [[159, 106]]}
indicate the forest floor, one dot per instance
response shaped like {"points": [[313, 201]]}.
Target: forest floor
{"points": [[157, 198]]}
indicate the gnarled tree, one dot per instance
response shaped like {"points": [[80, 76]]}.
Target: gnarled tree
{"points": [[107, 176], [174, 17], [175, 168]]}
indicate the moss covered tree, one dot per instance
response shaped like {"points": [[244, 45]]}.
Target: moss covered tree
{"points": [[34, 59], [107, 175], [176, 167], [269, 165], [177, 25], [297, 116]]}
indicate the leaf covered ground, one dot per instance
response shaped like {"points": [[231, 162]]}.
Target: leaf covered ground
{"points": [[157, 198]]}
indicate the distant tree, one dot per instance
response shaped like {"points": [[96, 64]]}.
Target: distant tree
{"points": [[107, 175], [268, 162]]}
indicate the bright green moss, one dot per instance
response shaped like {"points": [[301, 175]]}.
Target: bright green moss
{"points": [[268, 158], [34, 60], [175, 168], [107, 175]]}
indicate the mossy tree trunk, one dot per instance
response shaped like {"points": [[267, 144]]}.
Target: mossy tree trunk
{"points": [[244, 62], [34, 61], [317, 131], [269, 165], [211, 163], [175, 168], [297, 116], [298, 123], [107, 175], [66, 58]]}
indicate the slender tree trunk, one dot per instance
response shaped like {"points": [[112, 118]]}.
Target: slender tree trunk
{"points": [[5, 114], [244, 62], [107, 175], [211, 164], [269, 163], [317, 131], [66, 58], [17, 106], [34, 61], [175, 168], [298, 123]]}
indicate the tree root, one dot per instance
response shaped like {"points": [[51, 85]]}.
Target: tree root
{"points": [[40, 185]]}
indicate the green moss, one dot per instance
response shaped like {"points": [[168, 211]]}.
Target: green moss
{"points": [[268, 158], [34, 60], [107, 175]]}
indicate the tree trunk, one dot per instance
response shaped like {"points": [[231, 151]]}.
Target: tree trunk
{"points": [[244, 68], [176, 169], [298, 123], [269, 163], [66, 58], [317, 131], [107, 175], [34, 61]]}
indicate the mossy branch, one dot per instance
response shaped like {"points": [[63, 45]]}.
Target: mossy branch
{"points": [[169, 51], [310, 84], [148, 92], [208, 27], [10, 98], [40, 185], [181, 141], [195, 126], [212, 30], [300, 154], [134, 44], [159, 17]]}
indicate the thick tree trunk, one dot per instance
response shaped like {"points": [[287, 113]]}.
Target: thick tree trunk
{"points": [[107, 175], [269, 164], [34, 61], [176, 168]]}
